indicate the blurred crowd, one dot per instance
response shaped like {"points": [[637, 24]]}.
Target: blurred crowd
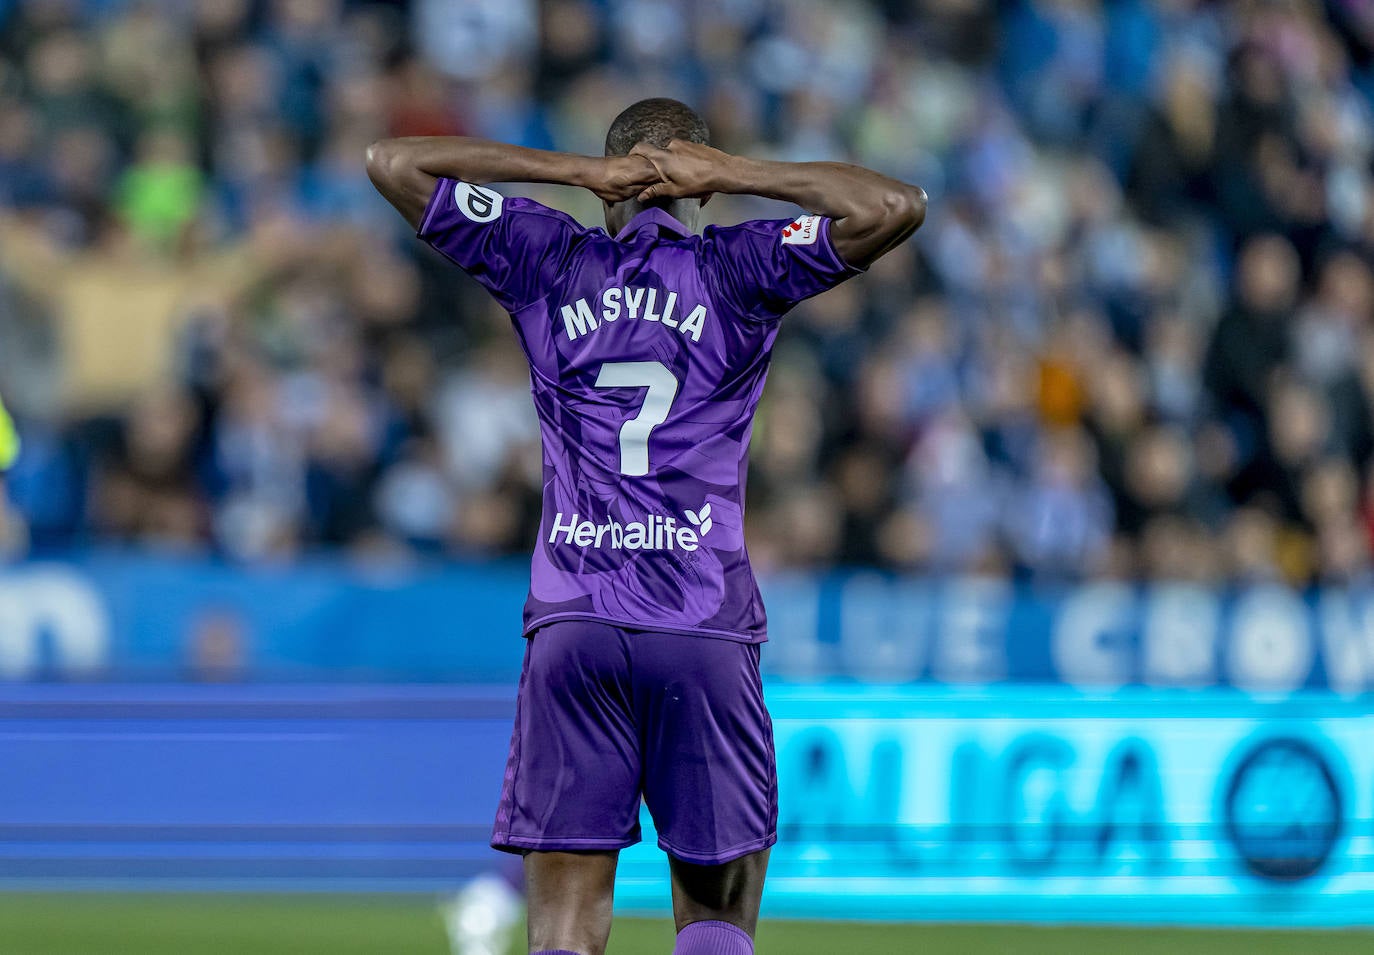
{"points": [[1133, 339]]}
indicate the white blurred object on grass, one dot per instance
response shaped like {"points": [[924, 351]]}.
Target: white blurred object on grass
{"points": [[483, 918]]}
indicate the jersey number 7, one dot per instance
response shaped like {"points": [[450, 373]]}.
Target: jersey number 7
{"points": [[661, 389]]}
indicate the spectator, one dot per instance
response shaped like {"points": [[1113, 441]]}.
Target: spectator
{"points": [[1135, 337]]}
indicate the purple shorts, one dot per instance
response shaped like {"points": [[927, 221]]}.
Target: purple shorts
{"points": [[607, 715]]}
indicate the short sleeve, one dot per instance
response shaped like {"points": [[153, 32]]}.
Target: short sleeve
{"points": [[764, 267], [516, 248]]}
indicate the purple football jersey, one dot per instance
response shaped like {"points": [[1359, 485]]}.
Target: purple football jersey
{"points": [[647, 354]]}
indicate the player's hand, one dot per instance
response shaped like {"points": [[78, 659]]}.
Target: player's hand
{"points": [[687, 170], [623, 177]]}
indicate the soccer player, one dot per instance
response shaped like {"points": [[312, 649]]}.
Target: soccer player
{"points": [[648, 345]]}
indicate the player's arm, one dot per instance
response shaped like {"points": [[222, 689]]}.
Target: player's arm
{"points": [[406, 170], [870, 213]]}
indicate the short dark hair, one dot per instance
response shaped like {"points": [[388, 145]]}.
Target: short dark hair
{"points": [[655, 121]]}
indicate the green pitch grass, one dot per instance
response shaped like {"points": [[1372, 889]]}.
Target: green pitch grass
{"points": [[333, 925]]}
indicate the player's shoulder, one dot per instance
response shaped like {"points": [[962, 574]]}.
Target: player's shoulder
{"points": [[801, 230], [752, 226], [532, 207], [484, 204], [533, 212]]}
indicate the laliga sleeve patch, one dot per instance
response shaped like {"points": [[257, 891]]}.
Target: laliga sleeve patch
{"points": [[802, 231], [478, 204]]}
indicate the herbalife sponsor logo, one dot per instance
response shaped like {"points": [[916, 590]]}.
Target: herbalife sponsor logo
{"points": [[655, 533]]}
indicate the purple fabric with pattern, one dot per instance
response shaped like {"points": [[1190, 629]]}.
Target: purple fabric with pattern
{"points": [[609, 715], [648, 353]]}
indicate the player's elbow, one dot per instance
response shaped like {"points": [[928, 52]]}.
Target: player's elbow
{"points": [[891, 216], [392, 165], [384, 161], [904, 208]]}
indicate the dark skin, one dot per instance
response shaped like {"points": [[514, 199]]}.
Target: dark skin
{"points": [[406, 170], [570, 893], [569, 897], [870, 213]]}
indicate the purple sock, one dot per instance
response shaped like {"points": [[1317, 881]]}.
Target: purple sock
{"points": [[713, 938]]}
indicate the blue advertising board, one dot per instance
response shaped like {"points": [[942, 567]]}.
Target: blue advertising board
{"points": [[328, 787], [123, 616], [1023, 804], [897, 802]]}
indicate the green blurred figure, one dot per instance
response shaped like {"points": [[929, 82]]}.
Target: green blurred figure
{"points": [[9, 450], [9, 440], [161, 193]]}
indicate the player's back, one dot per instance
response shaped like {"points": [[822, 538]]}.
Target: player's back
{"points": [[648, 353]]}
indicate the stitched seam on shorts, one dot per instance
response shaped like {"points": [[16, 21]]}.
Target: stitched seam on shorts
{"points": [[743, 848], [518, 737], [772, 773], [534, 842]]}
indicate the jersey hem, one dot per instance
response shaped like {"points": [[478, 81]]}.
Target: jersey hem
{"points": [[735, 636]]}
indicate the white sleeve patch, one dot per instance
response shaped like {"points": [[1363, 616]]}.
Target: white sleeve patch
{"points": [[803, 231], [478, 204]]}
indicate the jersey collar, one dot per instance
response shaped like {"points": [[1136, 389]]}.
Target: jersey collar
{"points": [[653, 219]]}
